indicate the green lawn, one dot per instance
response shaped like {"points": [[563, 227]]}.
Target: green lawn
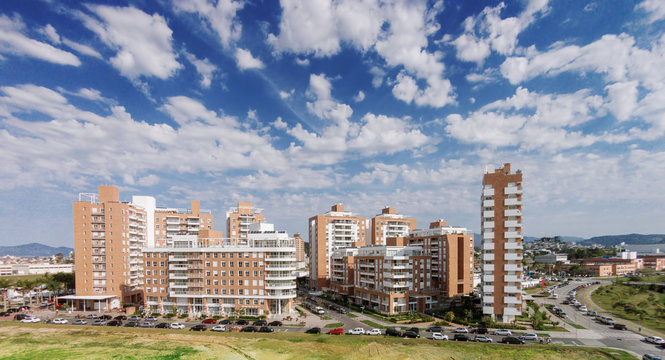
{"points": [[636, 303], [334, 325], [351, 315], [373, 324], [40, 341]]}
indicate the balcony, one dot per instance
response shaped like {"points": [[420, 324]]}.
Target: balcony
{"points": [[283, 267], [488, 235], [488, 203], [488, 299], [401, 284], [488, 310], [388, 275], [178, 285], [512, 202], [511, 289], [512, 212], [488, 225], [280, 286], [488, 214], [512, 256], [488, 192], [488, 278], [178, 277], [512, 311], [512, 235], [512, 278], [512, 190], [488, 267], [512, 224], [511, 300], [488, 246], [513, 246], [177, 267], [488, 289], [98, 244], [488, 257], [280, 258], [512, 267], [280, 277]]}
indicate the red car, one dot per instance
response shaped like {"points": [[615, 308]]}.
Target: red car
{"points": [[336, 331], [209, 321]]}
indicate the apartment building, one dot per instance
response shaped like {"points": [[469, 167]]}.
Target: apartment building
{"points": [[239, 219], [501, 224], [108, 237], [342, 278], [208, 274], [169, 222], [334, 229], [300, 247], [390, 224], [655, 261]]}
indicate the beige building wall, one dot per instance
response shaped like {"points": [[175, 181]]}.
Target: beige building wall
{"points": [[239, 219], [170, 222], [389, 224]]}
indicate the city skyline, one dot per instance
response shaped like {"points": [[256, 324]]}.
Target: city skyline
{"points": [[370, 104]]}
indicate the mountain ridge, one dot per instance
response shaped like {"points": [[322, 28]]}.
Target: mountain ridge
{"points": [[33, 249]]}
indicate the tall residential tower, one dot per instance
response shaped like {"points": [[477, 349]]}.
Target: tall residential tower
{"points": [[501, 225], [390, 224], [239, 219]]}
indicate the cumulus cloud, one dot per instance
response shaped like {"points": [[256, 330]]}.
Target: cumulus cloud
{"points": [[53, 36], [13, 41], [655, 9], [204, 67], [142, 42], [360, 96], [285, 95], [245, 60], [220, 15]]}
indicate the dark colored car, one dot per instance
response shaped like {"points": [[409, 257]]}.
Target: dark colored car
{"points": [[114, 323], [415, 330], [5, 313], [275, 323], [120, 317], [480, 331], [163, 326], [393, 332], [265, 329], [260, 323], [242, 322], [225, 322], [438, 329], [461, 337], [209, 321], [132, 324], [313, 330], [21, 316], [512, 340], [411, 334], [620, 327], [248, 329], [199, 327], [106, 317]]}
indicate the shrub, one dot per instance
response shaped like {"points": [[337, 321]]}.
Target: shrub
{"points": [[169, 315], [183, 316], [217, 317], [155, 314]]}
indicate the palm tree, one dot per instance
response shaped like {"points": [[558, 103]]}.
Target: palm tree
{"points": [[5, 284]]}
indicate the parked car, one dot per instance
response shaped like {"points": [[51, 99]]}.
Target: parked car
{"points": [[260, 323], [314, 330], [410, 334], [414, 329], [106, 317], [209, 321], [218, 328], [225, 322], [618, 326], [114, 323], [5, 313], [373, 332], [134, 318], [79, 322], [591, 313], [461, 337], [503, 332], [198, 327], [163, 326], [482, 338], [336, 331], [59, 321], [151, 318], [461, 330], [248, 329], [242, 322], [31, 320], [357, 331], [92, 316], [512, 340], [99, 322], [439, 336], [177, 326], [146, 324], [651, 357], [435, 329], [583, 308], [393, 332], [132, 324], [529, 336], [21, 316], [265, 329], [275, 323], [654, 340], [120, 317], [480, 331]]}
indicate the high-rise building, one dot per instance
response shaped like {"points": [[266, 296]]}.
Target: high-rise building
{"points": [[238, 220], [390, 224], [108, 237], [501, 224], [169, 222], [208, 274], [300, 247], [334, 229]]}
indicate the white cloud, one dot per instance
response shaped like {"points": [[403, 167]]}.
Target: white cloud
{"points": [[377, 76], [388, 135], [220, 16], [13, 41], [285, 95], [142, 42], [360, 96], [51, 33], [655, 9], [245, 60], [204, 67], [279, 124], [90, 94], [622, 99], [53, 36], [302, 62]]}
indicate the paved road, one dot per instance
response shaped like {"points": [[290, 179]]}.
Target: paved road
{"points": [[595, 334]]}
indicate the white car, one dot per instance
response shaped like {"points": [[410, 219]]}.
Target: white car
{"points": [[583, 308], [357, 331], [218, 328], [503, 332], [529, 336], [439, 336], [482, 338], [373, 332], [59, 321], [31, 320], [651, 339], [177, 326], [461, 331]]}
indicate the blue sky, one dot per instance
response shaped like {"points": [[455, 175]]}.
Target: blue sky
{"points": [[297, 105]]}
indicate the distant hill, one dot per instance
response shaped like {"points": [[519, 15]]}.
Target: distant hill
{"points": [[33, 249], [478, 239], [629, 239]]}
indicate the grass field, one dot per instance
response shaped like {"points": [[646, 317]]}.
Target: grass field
{"points": [[373, 324], [40, 341], [334, 325], [636, 303]]}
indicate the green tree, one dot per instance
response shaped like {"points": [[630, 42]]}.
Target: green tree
{"points": [[449, 316]]}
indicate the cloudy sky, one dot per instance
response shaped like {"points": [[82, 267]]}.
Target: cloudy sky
{"points": [[297, 105]]}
